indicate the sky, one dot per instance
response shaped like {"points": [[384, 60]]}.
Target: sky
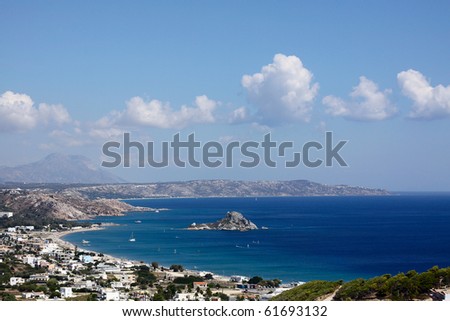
{"points": [[76, 75]]}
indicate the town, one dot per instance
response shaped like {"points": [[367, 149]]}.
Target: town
{"points": [[38, 265]]}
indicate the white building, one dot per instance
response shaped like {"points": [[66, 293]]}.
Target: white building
{"points": [[6, 214], [16, 281], [39, 277], [66, 292], [87, 284], [31, 260], [102, 267], [50, 248], [110, 295], [119, 285], [238, 278]]}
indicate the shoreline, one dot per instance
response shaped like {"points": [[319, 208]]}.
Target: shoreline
{"points": [[256, 196], [57, 237]]}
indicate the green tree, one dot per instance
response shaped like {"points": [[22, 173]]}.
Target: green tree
{"points": [[177, 268], [4, 296], [255, 280], [52, 285]]}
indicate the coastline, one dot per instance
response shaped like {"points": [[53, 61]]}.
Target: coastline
{"points": [[57, 237]]}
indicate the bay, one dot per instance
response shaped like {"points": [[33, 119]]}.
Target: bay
{"points": [[308, 238]]}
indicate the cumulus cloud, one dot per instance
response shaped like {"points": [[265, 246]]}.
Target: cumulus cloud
{"points": [[159, 114], [282, 92], [366, 103], [18, 113], [239, 115], [428, 102]]}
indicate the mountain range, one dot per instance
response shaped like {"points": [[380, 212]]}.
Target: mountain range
{"points": [[59, 168], [223, 188]]}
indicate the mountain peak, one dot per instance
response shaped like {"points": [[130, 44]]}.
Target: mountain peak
{"points": [[59, 168]]}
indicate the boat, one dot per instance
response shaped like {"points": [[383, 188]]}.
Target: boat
{"points": [[132, 238], [156, 211], [138, 222], [85, 242], [264, 228]]}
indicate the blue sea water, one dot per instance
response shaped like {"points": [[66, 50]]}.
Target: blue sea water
{"points": [[308, 238]]}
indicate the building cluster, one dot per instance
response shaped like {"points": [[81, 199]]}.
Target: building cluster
{"points": [[46, 269]]}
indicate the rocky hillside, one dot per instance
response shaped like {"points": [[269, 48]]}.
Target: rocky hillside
{"points": [[225, 188], [233, 221], [65, 205]]}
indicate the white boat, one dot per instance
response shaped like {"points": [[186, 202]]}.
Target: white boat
{"points": [[85, 242], [156, 211], [264, 228], [138, 222], [132, 238]]}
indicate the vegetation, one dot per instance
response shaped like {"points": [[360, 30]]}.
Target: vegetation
{"points": [[255, 280], [310, 291], [144, 277], [266, 283], [165, 294], [188, 279], [4, 296], [177, 268], [400, 287], [222, 296]]}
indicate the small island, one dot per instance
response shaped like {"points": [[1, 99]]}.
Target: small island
{"points": [[233, 221]]}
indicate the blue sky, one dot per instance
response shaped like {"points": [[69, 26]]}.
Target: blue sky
{"points": [[74, 75]]}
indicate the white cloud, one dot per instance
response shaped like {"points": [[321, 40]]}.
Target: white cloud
{"points": [[366, 102], [53, 114], [283, 91], [428, 102], [239, 115], [18, 113], [153, 113], [158, 114]]}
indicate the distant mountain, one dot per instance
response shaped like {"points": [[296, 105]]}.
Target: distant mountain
{"points": [[59, 168], [225, 188]]}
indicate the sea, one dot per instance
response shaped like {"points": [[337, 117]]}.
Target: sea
{"points": [[304, 238]]}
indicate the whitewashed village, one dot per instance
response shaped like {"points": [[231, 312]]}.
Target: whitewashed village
{"points": [[38, 265]]}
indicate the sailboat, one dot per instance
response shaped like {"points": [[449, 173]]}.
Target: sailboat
{"points": [[132, 239]]}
